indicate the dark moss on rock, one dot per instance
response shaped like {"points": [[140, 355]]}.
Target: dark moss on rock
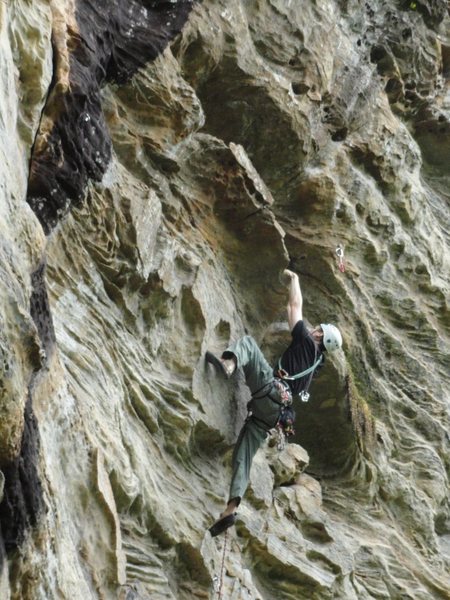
{"points": [[40, 309], [22, 496], [110, 46]]}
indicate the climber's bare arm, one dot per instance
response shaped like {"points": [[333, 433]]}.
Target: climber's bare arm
{"points": [[295, 302]]}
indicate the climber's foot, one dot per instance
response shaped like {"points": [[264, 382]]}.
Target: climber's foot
{"points": [[222, 524], [226, 366]]}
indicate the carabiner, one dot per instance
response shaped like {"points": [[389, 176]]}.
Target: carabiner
{"points": [[340, 255]]}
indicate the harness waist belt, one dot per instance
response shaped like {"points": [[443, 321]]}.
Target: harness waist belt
{"points": [[258, 422], [283, 389]]}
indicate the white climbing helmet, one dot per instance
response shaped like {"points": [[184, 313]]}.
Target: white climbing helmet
{"points": [[332, 338]]}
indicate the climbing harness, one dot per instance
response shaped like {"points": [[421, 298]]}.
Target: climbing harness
{"points": [[340, 255], [282, 397], [284, 391], [218, 581]]}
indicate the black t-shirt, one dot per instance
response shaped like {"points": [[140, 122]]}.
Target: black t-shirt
{"points": [[302, 353]]}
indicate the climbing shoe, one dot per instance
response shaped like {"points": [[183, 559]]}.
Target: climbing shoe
{"points": [[222, 524], [225, 366]]}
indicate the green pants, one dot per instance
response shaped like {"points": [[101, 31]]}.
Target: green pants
{"points": [[265, 412]]}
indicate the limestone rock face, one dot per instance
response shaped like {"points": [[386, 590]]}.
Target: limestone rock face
{"points": [[162, 163]]}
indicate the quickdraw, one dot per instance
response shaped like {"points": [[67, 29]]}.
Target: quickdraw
{"points": [[340, 255]]}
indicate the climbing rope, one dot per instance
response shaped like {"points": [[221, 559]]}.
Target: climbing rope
{"points": [[340, 255], [219, 591]]}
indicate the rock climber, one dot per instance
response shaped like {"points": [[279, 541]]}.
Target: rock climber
{"points": [[272, 389]]}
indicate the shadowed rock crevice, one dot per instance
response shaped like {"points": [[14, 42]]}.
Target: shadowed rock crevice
{"points": [[432, 131], [238, 110], [93, 46], [3, 558], [326, 428]]}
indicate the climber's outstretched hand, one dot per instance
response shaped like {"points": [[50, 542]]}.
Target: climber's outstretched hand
{"points": [[290, 274], [295, 302]]}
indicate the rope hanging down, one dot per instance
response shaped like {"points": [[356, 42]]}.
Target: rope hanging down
{"points": [[218, 582]]}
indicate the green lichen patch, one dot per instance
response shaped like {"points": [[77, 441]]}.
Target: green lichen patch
{"points": [[362, 419]]}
